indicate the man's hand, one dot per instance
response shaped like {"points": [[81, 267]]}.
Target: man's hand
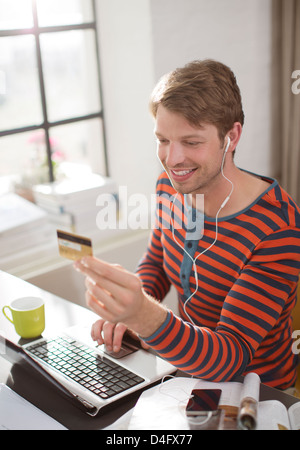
{"points": [[117, 296], [112, 334], [109, 334]]}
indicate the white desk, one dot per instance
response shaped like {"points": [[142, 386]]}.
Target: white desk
{"points": [[61, 314]]}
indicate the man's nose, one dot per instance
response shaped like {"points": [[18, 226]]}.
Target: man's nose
{"points": [[175, 155]]}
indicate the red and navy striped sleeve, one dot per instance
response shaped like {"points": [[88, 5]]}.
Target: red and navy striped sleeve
{"points": [[241, 312]]}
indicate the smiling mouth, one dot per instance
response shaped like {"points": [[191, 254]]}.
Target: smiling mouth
{"points": [[182, 174]]}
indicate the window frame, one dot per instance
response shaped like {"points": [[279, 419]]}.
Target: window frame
{"points": [[46, 125]]}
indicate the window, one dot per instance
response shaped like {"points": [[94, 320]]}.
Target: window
{"points": [[50, 93]]}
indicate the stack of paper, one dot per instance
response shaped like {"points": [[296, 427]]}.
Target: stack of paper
{"points": [[23, 225], [73, 204]]}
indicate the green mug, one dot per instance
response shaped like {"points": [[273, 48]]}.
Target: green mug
{"points": [[27, 315]]}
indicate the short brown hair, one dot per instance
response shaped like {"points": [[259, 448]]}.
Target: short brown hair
{"points": [[202, 92]]}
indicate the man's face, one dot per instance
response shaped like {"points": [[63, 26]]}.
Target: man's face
{"points": [[192, 157]]}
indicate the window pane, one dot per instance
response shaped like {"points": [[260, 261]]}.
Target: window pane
{"points": [[15, 14], [80, 143], [64, 12], [70, 71], [23, 156], [20, 102]]}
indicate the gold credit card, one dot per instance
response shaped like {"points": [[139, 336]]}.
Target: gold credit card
{"points": [[73, 246]]}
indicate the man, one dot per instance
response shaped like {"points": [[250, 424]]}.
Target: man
{"points": [[236, 274]]}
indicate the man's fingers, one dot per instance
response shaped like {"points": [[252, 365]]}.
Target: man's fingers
{"points": [[94, 267], [96, 331], [99, 308], [113, 293], [108, 333], [101, 301], [119, 331]]}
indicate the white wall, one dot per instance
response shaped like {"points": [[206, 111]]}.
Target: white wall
{"points": [[237, 33], [142, 39], [125, 39]]}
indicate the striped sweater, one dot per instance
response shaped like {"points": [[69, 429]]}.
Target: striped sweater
{"points": [[239, 319]]}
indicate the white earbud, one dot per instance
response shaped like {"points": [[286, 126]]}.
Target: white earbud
{"points": [[227, 146]]}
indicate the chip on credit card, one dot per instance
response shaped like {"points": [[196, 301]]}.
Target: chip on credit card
{"points": [[73, 246]]}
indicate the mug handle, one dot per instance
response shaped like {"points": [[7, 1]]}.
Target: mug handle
{"points": [[3, 310]]}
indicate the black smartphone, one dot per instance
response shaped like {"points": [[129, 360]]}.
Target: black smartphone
{"points": [[203, 401]]}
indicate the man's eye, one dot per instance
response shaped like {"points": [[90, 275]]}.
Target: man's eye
{"points": [[161, 141], [192, 144]]}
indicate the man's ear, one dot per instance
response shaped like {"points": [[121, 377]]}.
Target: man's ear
{"points": [[234, 135]]}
